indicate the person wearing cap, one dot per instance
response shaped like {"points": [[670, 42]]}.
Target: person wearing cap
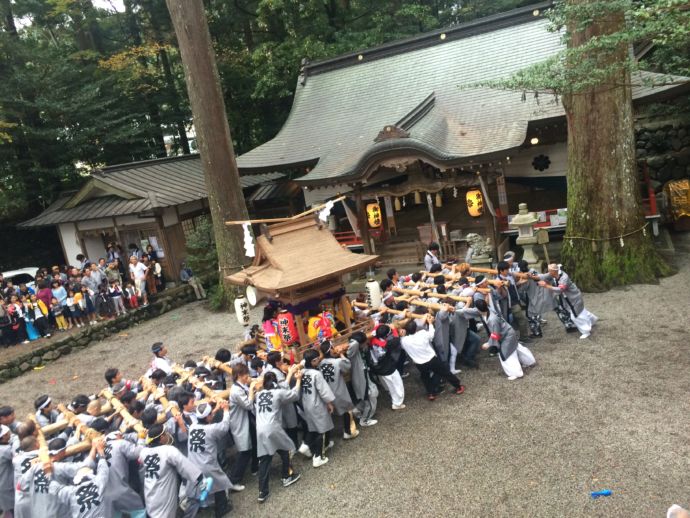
{"points": [[512, 354], [204, 441], [570, 298], [162, 467], [7, 447], [335, 366], [160, 359], [85, 497], [269, 398]]}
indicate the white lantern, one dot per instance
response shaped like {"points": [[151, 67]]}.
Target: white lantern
{"points": [[242, 310], [252, 295], [373, 293]]}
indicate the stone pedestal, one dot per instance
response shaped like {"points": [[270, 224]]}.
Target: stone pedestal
{"points": [[524, 221]]}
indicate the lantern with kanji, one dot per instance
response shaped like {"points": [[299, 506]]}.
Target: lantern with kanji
{"points": [[475, 203], [287, 328], [242, 310], [374, 215]]}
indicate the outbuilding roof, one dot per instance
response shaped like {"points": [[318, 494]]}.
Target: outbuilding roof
{"points": [[409, 98], [136, 187]]}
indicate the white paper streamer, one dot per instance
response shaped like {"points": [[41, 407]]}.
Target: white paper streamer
{"points": [[249, 249], [326, 211]]}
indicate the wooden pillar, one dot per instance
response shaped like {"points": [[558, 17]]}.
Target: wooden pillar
{"points": [[502, 193], [170, 257], [390, 215], [303, 338], [432, 219], [362, 221]]}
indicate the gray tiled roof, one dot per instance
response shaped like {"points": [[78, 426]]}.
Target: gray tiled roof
{"points": [[341, 105], [153, 183]]}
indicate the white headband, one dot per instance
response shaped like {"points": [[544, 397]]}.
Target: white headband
{"points": [[205, 413], [45, 404]]}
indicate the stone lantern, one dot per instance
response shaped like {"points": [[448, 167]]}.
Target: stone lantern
{"points": [[524, 221]]}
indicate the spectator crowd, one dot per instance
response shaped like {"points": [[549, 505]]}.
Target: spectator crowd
{"points": [[79, 295]]}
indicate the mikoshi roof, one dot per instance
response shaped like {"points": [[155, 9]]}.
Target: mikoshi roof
{"points": [[418, 88], [136, 187], [296, 254]]}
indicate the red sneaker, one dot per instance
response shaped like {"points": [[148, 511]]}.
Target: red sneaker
{"points": [[460, 389], [431, 397]]}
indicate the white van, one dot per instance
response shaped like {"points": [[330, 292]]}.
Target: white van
{"points": [[22, 276]]}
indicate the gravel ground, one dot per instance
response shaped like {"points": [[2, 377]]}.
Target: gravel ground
{"points": [[604, 413]]}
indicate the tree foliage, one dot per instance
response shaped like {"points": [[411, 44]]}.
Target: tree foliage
{"points": [[85, 86]]}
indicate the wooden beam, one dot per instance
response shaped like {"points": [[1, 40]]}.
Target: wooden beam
{"points": [[282, 220]]}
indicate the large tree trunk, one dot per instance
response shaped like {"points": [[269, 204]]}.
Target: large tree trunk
{"points": [[605, 244], [225, 196]]}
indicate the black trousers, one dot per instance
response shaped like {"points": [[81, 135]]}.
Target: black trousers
{"points": [[239, 466], [317, 442], [222, 504], [433, 372], [41, 325], [265, 469]]}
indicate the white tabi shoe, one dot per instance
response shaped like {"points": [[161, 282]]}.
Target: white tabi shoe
{"points": [[304, 450], [319, 461]]}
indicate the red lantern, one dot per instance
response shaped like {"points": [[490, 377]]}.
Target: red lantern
{"points": [[286, 328]]}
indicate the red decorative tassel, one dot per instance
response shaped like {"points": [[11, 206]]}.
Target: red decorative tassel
{"points": [[495, 336]]}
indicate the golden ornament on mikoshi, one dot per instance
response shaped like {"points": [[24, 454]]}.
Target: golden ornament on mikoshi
{"points": [[374, 215], [475, 203]]}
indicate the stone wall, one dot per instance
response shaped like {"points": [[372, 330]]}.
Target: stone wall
{"points": [[666, 148], [170, 299]]}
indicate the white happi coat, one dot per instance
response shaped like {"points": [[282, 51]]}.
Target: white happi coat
{"points": [[240, 407], [203, 444], [6, 477], [161, 467], [315, 395], [333, 371], [270, 434], [87, 499], [119, 494]]}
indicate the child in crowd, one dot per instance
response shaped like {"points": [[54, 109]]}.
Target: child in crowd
{"points": [[115, 292], [58, 314], [131, 295], [74, 309], [40, 314]]}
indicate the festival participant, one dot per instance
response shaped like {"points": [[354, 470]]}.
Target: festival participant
{"points": [[7, 448], [269, 324], [509, 301], [85, 499], [121, 496], [317, 404], [45, 412], [205, 441], [385, 353], [334, 367], [163, 466], [465, 339], [512, 354], [9, 418], [364, 390], [290, 421], [418, 346], [560, 283], [160, 358], [442, 336], [241, 428], [535, 298], [269, 398], [138, 272], [432, 256]]}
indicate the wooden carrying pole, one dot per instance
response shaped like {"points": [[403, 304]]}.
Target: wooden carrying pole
{"points": [[197, 383], [43, 454], [130, 421], [281, 220]]}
